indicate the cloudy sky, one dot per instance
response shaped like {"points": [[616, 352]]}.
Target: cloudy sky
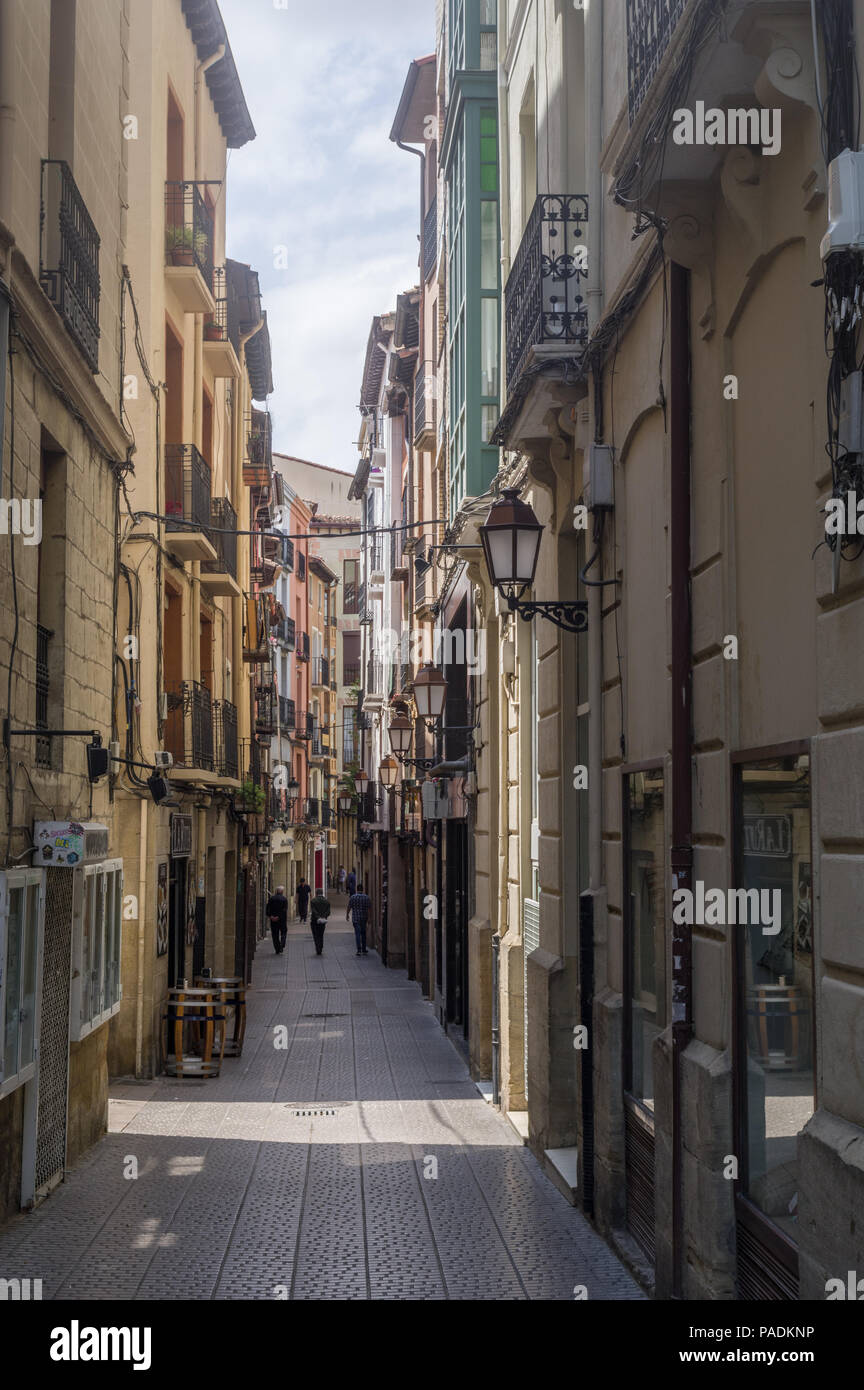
{"points": [[322, 80]]}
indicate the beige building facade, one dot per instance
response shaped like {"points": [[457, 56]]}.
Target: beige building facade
{"points": [[700, 737], [65, 446]]}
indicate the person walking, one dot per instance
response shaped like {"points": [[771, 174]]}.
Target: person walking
{"points": [[359, 907], [341, 878], [320, 909], [351, 885], [277, 911], [304, 892]]}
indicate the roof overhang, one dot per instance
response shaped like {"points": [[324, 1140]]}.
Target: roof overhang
{"points": [[207, 27], [416, 103]]}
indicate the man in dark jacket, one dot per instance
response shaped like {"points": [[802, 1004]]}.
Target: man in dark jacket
{"points": [[277, 912], [351, 884], [320, 912], [359, 907], [303, 894]]}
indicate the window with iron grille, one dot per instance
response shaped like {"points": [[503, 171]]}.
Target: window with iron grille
{"points": [[96, 940], [22, 915]]}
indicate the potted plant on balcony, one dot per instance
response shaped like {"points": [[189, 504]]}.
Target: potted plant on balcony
{"points": [[212, 331], [185, 245], [252, 798]]}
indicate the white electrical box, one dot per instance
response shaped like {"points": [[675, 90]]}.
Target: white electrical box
{"points": [[601, 484], [845, 204], [67, 843]]}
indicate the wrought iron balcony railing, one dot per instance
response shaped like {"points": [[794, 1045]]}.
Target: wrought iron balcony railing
{"points": [[288, 556], [328, 815], [258, 463], [265, 709], [285, 632], [218, 326], [188, 229], [301, 565], [311, 810], [303, 646], [351, 673], [376, 555], [320, 742], [430, 240], [287, 714], [321, 671], [43, 691], [650, 26], [188, 731], [225, 731], [303, 724], [223, 537], [187, 488], [69, 257], [542, 300]]}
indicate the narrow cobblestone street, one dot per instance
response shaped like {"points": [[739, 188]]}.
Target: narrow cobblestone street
{"points": [[240, 1195]]}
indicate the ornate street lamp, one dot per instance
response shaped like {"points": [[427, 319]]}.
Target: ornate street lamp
{"points": [[293, 789], [430, 692], [388, 771], [401, 733], [511, 544], [361, 781], [345, 800]]}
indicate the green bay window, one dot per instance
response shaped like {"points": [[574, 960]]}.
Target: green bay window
{"points": [[471, 163]]}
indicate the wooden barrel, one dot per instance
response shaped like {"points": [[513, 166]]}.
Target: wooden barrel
{"points": [[194, 1032], [230, 991]]}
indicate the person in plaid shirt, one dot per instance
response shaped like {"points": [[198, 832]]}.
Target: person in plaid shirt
{"points": [[359, 907]]}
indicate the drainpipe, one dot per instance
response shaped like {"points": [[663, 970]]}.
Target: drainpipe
{"points": [[139, 978], [594, 298], [200, 69], [682, 729]]}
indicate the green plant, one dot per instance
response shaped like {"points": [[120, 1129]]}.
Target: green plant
{"points": [[182, 237], [253, 797]]}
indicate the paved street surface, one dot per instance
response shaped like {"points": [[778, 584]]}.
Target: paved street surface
{"points": [[241, 1195]]}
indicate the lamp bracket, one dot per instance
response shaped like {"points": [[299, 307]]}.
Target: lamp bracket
{"points": [[571, 615]]}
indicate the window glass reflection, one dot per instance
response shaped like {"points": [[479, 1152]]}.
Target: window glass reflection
{"points": [[776, 980], [646, 936]]}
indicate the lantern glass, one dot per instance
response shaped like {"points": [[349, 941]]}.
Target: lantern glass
{"points": [[511, 538], [430, 692], [401, 732], [293, 789], [345, 803], [361, 781], [388, 771]]}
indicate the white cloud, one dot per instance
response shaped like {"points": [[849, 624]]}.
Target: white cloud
{"points": [[323, 179]]}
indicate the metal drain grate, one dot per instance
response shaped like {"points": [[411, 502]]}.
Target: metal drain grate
{"points": [[314, 1111]]}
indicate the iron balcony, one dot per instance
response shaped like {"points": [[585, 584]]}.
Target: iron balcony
{"points": [[69, 257], [650, 27], [543, 304]]}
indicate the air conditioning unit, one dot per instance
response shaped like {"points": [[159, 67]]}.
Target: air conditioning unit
{"points": [[845, 204], [163, 759], [68, 843]]}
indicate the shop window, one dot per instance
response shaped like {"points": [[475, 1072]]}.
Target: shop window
{"points": [[645, 917], [21, 924], [96, 945], [774, 954]]}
